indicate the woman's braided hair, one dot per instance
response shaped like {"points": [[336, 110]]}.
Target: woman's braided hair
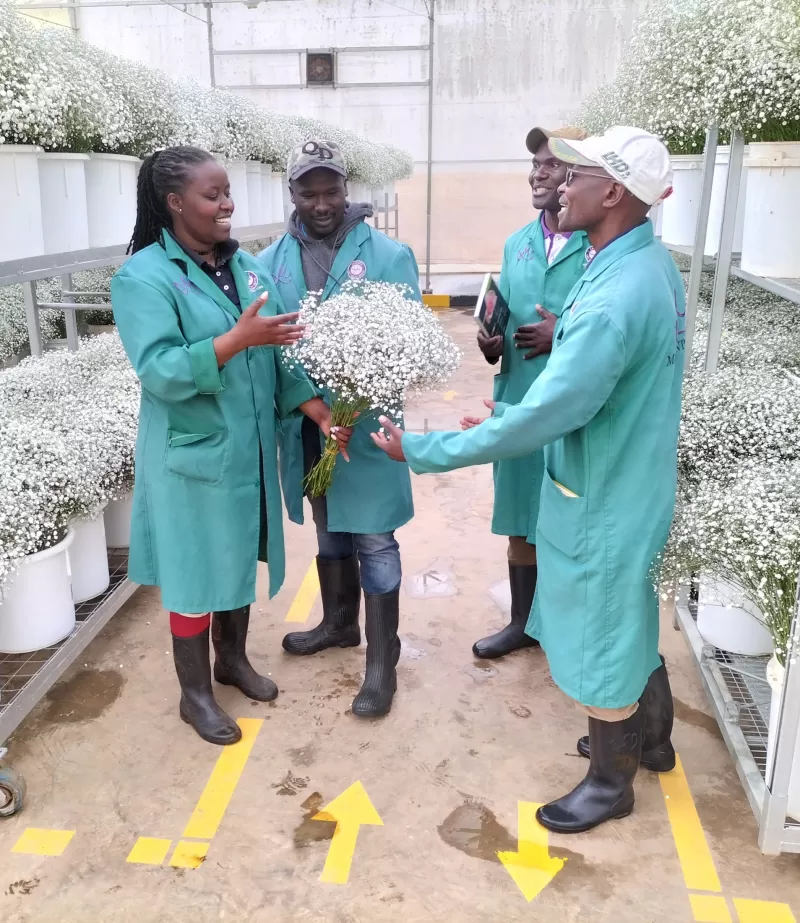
{"points": [[161, 173]]}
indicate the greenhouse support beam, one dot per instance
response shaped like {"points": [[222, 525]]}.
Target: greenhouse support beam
{"points": [[698, 253], [70, 5], [32, 318], [429, 194], [212, 73], [70, 317], [725, 255]]}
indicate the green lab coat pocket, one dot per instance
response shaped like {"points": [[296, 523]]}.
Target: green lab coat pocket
{"points": [[198, 456], [563, 520], [499, 389]]}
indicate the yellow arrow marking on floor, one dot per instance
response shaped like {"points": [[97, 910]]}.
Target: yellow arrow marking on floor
{"points": [[300, 608], [449, 395], [531, 867], [349, 811]]}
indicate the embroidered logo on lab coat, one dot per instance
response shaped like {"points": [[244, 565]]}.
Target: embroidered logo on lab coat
{"points": [[357, 270], [525, 255], [282, 276], [184, 286], [252, 281], [590, 254]]}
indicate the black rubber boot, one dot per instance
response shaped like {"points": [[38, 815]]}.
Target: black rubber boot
{"points": [[658, 716], [198, 705], [340, 588], [607, 791], [512, 637], [383, 652], [231, 667]]}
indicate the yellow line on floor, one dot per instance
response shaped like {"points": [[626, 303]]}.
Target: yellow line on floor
{"points": [[219, 790], [36, 842], [694, 855], [189, 855], [303, 602], [763, 912], [709, 908], [149, 851]]}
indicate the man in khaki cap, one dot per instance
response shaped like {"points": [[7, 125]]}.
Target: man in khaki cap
{"points": [[540, 266]]}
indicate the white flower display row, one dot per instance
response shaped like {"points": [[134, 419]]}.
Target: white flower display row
{"points": [[692, 63], [64, 95], [68, 426]]}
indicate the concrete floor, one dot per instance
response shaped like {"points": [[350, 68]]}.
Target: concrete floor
{"points": [[107, 757]]}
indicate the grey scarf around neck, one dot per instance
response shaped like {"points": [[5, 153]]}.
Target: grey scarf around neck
{"points": [[319, 254]]}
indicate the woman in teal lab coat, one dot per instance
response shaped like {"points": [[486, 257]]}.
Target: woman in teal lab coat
{"points": [[607, 409], [540, 266], [327, 243], [199, 320]]}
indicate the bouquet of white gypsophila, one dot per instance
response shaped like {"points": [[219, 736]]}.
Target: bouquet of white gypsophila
{"points": [[371, 346], [746, 532]]}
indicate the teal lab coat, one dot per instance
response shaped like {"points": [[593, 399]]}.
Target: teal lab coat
{"points": [[607, 408], [370, 494], [196, 523], [526, 280]]}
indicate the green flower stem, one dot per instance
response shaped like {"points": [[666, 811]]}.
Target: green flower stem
{"points": [[344, 414]]}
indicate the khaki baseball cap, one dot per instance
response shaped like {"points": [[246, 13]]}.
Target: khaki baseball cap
{"points": [[315, 153], [537, 136]]}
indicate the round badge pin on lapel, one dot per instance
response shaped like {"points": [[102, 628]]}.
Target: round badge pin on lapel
{"points": [[252, 281], [357, 270]]}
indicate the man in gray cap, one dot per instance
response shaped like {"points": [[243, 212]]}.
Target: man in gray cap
{"points": [[327, 243]]}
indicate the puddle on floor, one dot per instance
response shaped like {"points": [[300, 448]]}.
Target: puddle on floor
{"points": [[696, 718], [474, 830], [309, 830], [87, 695]]}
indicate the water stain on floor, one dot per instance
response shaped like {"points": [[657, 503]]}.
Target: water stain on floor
{"points": [[83, 697], [309, 830], [696, 718], [474, 830], [303, 756]]}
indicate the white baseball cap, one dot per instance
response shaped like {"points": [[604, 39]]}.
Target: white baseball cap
{"points": [[633, 157]]}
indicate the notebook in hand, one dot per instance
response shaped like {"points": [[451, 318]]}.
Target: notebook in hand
{"points": [[491, 311]]}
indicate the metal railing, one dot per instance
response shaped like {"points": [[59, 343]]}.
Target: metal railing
{"points": [[27, 272]]}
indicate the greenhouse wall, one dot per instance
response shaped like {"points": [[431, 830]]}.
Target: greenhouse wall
{"points": [[500, 67]]}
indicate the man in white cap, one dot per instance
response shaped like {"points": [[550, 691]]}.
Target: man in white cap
{"points": [[606, 409]]}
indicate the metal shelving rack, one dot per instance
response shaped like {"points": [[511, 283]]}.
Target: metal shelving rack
{"points": [[736, 686], [26, 678]]}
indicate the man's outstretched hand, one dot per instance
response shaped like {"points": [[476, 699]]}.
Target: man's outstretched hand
{"points": [[390, 440], [471, 422]]}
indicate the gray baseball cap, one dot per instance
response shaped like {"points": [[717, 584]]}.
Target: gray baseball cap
{"points": [[313, 154]]}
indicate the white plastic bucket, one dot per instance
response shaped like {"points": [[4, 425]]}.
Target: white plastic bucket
{"points": [[656, 216], [118, 522], [266, 194], [237, 176], [37, 609], [279, 213], [775, 677], [679, 220], [20, 236], [718, 189], [730, 621], [255, 204], [771, 237], [65, 217], [111, 198], [89, 559], [358, 192]]}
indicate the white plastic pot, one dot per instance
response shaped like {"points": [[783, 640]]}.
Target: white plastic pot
{"points": [[266, 194], [21, 235], [656, 216], [65, 216], [89, 559], [771, 237], [237, 176], [775, 677], [37, 609], [679, 221], [359, 192], [730, 621], [111, 198], [279, 183], [718, 188], [117, 519], [255, 203]]}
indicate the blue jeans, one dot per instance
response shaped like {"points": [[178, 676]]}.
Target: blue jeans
{"points": [[378, 555]]}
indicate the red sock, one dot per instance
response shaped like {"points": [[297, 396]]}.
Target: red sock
{"points": [[182, 626]]}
